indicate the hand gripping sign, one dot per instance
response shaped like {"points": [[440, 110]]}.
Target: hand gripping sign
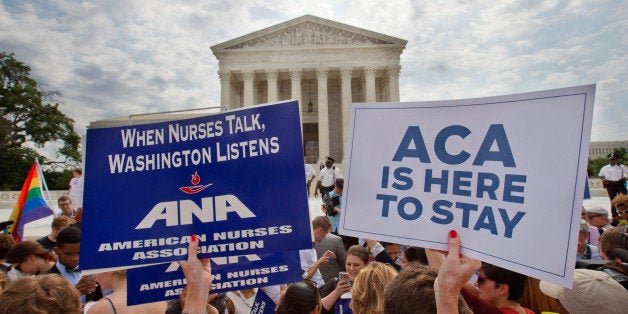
{"points": [[506, 172], [234, 179]]}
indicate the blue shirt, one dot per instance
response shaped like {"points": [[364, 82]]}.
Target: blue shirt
{"points": [[73, 276], [335, 220]]}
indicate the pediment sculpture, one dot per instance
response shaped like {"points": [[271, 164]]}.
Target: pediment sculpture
{"points": [[309, 34]]}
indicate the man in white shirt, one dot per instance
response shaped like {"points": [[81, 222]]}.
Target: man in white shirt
{"points": [[309, 262], [614, 176], [327, 177]]}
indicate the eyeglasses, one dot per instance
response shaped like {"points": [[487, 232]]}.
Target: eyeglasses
{"points": [[594, 216]]}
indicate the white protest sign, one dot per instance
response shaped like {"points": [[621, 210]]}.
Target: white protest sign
{"points": [[506, 172]]}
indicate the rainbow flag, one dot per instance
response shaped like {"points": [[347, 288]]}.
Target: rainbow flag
{"points": [[30, 205]]}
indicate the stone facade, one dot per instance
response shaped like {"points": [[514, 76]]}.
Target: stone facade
{"points": [[323, 64], [603, 149]]}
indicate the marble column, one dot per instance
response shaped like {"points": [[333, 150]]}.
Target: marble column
{"points": [[249, 79], [295, 87], [369, 78], [323, 113], [393, 83], [271, 79], [225, 90], [383, 89], [345, 75]]}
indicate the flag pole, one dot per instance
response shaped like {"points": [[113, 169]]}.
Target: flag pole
{"points": [[43, 183]]}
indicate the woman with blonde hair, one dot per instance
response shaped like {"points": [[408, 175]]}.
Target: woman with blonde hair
{"points": [[116, 302], [368, 288]]}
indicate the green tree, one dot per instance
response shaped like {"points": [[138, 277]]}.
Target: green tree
{"points": [[621, 155], [30, 118]]}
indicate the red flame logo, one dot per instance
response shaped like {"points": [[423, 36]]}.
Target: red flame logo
{"points": [[195, 187], [196, 178]]}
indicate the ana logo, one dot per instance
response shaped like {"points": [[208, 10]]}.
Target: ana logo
{"points": [[195, 188]]}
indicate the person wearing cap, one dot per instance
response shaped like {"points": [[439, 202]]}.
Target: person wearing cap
{"points": [[598, 217], [614, 176], [327, 177], [593, 291], [598, 223], [584, 250]]}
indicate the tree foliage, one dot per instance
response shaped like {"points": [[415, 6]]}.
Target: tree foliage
{"points": [[30, 118]]}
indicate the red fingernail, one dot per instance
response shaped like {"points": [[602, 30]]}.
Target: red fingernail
{"points": [[193, 238], [453, 234]]}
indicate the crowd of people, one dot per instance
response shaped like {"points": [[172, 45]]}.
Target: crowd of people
{"points": [[340, 274]]}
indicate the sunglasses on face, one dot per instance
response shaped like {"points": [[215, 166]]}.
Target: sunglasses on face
{"points": [[594, 216]]}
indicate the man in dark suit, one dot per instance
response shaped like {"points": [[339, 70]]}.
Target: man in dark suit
{"points": [[332, 243], [68, 245]]}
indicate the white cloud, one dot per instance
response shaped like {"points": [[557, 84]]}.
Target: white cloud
{"points": [[113, 58]]}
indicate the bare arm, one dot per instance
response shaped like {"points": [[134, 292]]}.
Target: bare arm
{"points": [[453, 274], [329, 301]]}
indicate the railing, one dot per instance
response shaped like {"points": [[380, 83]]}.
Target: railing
{"points": [[9, 198]]}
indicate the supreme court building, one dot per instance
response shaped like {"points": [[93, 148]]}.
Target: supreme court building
{"points": [[323, 64]]}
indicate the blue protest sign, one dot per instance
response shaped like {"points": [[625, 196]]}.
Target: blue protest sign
{"points": [[166, 281], [263, 304], [235, 179]]}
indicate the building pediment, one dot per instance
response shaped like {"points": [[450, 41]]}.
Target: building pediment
{"points": [[308, 31]]}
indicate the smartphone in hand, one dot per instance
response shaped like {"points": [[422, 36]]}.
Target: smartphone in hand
{"points": [[344, 276]]}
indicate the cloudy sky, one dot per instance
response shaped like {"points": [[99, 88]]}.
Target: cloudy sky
{"points": [[122, 57]]}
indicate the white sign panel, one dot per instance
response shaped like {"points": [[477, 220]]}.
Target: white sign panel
{"points": [[506, 172]]}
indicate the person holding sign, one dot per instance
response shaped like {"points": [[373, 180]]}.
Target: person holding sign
{"points": [[419, 289], [198, 275]]}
